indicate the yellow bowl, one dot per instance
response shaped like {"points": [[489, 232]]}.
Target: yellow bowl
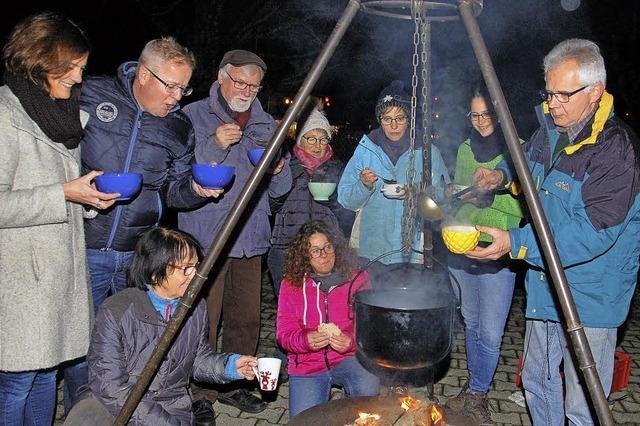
{"points": [[460, 239]]}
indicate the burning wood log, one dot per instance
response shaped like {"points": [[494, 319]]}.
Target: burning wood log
{"points": [[420, 413], [414, 412], [366, 419]]}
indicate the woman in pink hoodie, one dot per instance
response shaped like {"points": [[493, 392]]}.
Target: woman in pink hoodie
{"points": [[315, 322]]}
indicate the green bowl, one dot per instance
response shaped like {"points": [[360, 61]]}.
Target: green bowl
{"points": [[321, 191]]}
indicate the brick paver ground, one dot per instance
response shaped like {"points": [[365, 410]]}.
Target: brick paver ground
{"points": [[626, 408]]}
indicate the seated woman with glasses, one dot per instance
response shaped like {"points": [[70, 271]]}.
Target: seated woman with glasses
{"points": [[313, 160], [382, 156], [127, 329], [315, 321]]}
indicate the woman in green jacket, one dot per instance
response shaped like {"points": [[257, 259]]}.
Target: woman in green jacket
{"points": [[486, 287]]}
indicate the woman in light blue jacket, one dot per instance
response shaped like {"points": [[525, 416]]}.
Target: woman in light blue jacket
{"points": [[384, 154]]}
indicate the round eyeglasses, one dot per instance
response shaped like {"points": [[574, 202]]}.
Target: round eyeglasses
{"points": [[312, 140], [318, 251]]}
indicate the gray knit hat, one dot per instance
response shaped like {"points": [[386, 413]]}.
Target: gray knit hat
{"points": [[316, 120], [393, 95]]}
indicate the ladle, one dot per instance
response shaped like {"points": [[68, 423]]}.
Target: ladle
{"points": [[432, 208]]}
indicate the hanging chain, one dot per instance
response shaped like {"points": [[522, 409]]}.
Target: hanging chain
{"points": [[427, 124], [426, 104], [409, 212]]}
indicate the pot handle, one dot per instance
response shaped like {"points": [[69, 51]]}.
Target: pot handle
{"points": [[351, 298]]}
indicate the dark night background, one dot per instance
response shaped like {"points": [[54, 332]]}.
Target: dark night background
{"points": [[288, 34]]}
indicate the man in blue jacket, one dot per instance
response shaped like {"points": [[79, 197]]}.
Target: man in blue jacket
{"points": [[584, 162], [136, 125], [228, 124]]}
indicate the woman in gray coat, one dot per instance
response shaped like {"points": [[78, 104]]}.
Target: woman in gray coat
{"points": [[128, 327], [45, 316]]}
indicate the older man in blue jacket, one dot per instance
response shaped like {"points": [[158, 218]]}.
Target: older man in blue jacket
{"points": [[228, 124], [584, 162]]}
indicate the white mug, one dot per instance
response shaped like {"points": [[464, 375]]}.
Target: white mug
{"points": [[267, 373]]}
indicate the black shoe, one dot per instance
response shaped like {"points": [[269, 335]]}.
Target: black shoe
{"points": [[244, 401], [203, 413]]}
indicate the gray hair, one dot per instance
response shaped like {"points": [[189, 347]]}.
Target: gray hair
{"points": [[166, 49], [591, 69], [248, 69]]}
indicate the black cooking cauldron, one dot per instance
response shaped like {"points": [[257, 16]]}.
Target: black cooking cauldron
{"points": [[405, 325]]}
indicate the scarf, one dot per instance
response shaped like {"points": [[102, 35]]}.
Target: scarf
{"points": [[59, 119], [487, 148], [326, 282], [309, 162], [393, 149]]}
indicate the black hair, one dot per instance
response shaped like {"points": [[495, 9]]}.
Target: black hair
{"points": [[479, 90], [157, 249]]}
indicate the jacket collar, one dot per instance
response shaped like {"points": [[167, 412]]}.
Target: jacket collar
{"points": [[589, 135], [144, 310]]}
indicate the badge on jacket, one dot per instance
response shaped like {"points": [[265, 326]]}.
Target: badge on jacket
{"points": [[106, 112]]}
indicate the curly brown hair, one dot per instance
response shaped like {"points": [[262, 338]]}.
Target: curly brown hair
{"points": [[298, 259]]}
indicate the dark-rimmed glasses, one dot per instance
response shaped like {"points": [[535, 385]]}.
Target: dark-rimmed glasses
{"points": [[172, 87], [313, 140], [562, 97], [241, 85], [388, 120], [317, 251], [186, 269], [476, 116]]}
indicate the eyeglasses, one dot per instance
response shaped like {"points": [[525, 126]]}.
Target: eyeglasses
{"points": [[312, 141], [317, 252], [388, 120], [241, 85], [172, 87], [476, 116], [562, 97], [186, 269]]}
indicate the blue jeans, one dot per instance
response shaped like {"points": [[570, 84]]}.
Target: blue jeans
{"points": [[275, 261], [27, 397], [487, 290], [108, 270], [545, 346], [309, 391]]}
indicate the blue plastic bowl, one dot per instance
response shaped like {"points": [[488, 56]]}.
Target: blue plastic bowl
{"points": [[127, 184], [255, 155], [212, 176]]}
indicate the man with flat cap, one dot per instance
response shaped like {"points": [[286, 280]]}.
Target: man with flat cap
{"points": [[227, 125]]}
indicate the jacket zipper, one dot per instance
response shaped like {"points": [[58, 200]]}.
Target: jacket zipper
{"points": [[326, 316], [127, 164]]}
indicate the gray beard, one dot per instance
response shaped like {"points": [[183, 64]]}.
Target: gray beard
{"points": [[234, 106]]}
